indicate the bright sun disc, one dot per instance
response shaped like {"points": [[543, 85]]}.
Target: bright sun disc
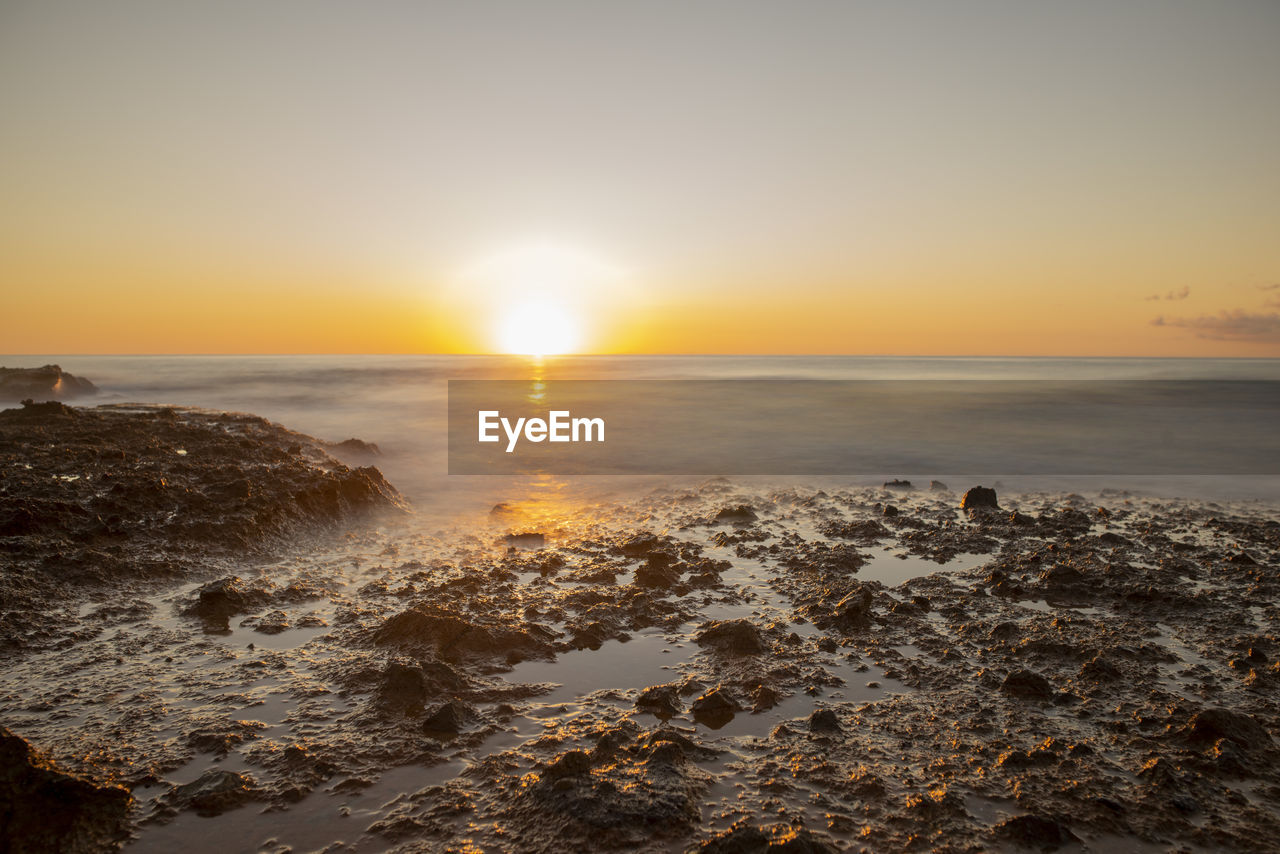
{"points": [[538, 328]]}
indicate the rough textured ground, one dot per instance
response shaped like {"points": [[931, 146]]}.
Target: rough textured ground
{"points": [[108, 498], [719, 667]]}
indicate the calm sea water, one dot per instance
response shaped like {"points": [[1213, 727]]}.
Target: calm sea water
{"points": [[400, 403]]}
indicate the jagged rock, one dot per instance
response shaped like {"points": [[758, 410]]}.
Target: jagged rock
{"points": [[218, 601], [574, 763], [408, 687], [48, 381], [657, 576], [639, 544], [213, 793], [45, 809], [1211, 725], [736, 513], [744, 838], [50, 410], [715, 708], [764, 698], [1033, 831], [354, 447], [865, 530], [272, 623], [456, 638], [979, 496], [1028, 685], [1099, 668], [661, 700], [447, 720], [403, 687], [738, 637], [824, 720], [1062, 575], [527, 540], [149, 493], [854, 609]]}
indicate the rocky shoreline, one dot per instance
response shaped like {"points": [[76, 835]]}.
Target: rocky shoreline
{"points": [[234, 640], [43, 383]]}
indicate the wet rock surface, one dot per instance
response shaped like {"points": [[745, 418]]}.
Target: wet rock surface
{"points": [[118, 497], [1068, 672]]}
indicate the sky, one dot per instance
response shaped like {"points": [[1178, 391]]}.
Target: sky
{"points": [[919, 177]]}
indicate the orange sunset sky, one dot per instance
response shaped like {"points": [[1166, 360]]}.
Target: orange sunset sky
{"points": [[927, 177]]}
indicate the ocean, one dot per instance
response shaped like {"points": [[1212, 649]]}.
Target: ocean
{"points": [[400, 403]]}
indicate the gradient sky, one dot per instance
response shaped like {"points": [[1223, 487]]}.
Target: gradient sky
{"points": [[1084, 178]]}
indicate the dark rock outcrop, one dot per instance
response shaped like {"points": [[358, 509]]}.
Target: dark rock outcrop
{"points": [[979, 496], [212, 793], [456, 638], [744, 838], [1027, 685], [47, 381], [1212, 725], [1033, 831], [737, 637], [45, 809]]}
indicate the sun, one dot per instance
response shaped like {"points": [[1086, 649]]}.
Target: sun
{"points": [[547, 296], [538, 327]]}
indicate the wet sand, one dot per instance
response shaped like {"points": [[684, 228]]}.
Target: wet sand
{"points": [[721, 667]]}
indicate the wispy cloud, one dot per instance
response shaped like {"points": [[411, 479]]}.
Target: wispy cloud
{"points": [[1171, 295], [1238, 325], [1274, 300]]}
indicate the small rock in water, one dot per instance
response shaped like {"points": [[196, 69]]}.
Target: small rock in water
{"points": [[213, 793], [273, 623], [898, 484], [854, 610], [979, 496], [738, 637], [736, 513], [220, 600], [661, 700], [938, 486], [715, 708], [763, 698], [357, 447], [657, 576]]}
